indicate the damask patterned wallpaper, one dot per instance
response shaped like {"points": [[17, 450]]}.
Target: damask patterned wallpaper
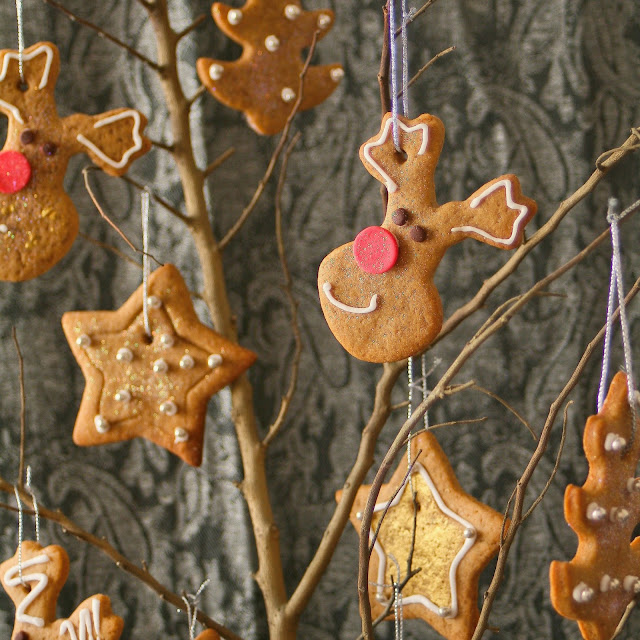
{"points": [[537, 87]]}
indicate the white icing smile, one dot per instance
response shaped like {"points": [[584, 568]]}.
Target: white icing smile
{"points": [[326, 287]]}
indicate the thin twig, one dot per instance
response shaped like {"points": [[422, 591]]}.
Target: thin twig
{"points": [[452, 423], [109, 247], [169, 148], [276, 154], [373, 537], [161, 201], [194, 25], [275, 428], [218, 161], [437, 393], [417, 14], [113, 225], [507, 406], [556, 466], [490, 284], [426, 66], [103, 34], [385, 61], [23, 408], [200, 91], [521, 485], [364, 460], [625, 617], [71, 527]]}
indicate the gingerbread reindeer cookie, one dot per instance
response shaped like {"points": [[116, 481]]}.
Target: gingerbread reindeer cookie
{"points": [[264, 81], [377, 293], [33, 580], [38, 221], [156, 386], [604, 576], [455, 537]]}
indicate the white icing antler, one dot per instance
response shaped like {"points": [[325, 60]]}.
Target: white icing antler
{"points": [[389, 183], [137, 139], [511, 203], [12, 579], [13, 55]]}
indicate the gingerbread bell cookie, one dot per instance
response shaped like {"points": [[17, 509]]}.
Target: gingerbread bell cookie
{"points": [[604, 576], [33, 580], [377, 293], [38, 221], [455, 537], [153, 386], [263, 82]]}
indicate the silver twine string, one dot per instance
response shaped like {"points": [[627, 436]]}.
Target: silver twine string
{"points": [[144, 202], [36, 512], [20, 534], [394, 67], [20, 40], [191, 606], [616, 287]]}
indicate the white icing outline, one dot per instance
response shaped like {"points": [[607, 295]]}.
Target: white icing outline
{"points": [[389, 183], [15, 112], [137, 139], [86, 619], [42, 580], [517, 225], [468, 543], [29, 56], [326, 287]]}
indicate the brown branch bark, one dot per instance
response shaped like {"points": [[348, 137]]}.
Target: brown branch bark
{"points": [[521, 486], [141, 573], [269, 575], [545, 230], [438, 392], [103, 34], [278, 423], [225, 155]]}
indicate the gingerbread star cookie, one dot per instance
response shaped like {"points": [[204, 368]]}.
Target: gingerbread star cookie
{"points": [[456, 536], [377, 293], [34, 580], [38, 221], [604, 576], [157, 386], [208, 634], [264, 81]]}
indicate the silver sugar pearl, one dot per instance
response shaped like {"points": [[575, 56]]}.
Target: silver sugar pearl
{"points": [[102, 425], [160, 366], [124, 355], [187, 362], [169, 408]]}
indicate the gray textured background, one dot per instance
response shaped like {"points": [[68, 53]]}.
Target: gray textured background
{"points": [[538, 87]]}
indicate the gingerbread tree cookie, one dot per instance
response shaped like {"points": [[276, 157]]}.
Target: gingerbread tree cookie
{"points": [[377, 293], [38, 221], [264, 81], [604, 576], [34, 580], [456, 536], [157, 386]]}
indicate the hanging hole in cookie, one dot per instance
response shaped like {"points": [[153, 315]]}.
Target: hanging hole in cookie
{"points": [[147, 339], [23, 86], [401, 155]]}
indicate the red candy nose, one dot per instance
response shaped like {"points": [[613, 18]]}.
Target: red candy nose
{"points": [[375, 250], [15, 171]]}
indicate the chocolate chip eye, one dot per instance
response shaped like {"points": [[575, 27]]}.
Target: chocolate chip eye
{"points": [[400, 217], [49, 149], [27, 136], [418, 234]]}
